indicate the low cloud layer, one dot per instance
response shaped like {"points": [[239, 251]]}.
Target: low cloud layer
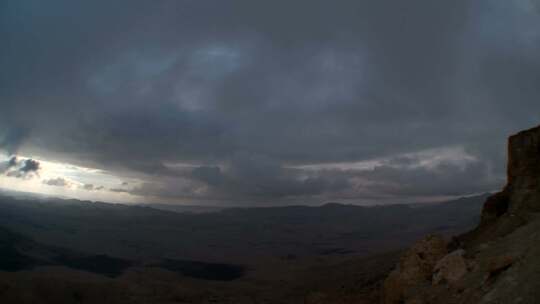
{"points": [[65, 183], [252, 180], [229, 100], [57, 182]]}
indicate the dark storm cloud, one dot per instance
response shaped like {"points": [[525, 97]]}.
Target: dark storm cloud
{"points": [[445, 179], [261, 181], [7, 165], [258, 176], [25, 169], [209, 174], [281, 83], [12, 162], [30, 165], [12, 138]]}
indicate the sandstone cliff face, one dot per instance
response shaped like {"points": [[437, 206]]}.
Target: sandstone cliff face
{"points": [[522, 192], [498, 262]]}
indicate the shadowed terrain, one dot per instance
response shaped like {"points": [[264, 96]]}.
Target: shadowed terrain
{"points": [[231, 235], [139, 254]]}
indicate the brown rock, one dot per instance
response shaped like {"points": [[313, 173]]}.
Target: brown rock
{"points": [[499, 264], [495, 206], [524, 159], [393, 288], [416, 300], [417, 264], [451, 268], [414, 268], [316, 298], [427, 264], [522, 191]]}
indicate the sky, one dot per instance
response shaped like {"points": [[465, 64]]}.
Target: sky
{"points": [[263, 103]]}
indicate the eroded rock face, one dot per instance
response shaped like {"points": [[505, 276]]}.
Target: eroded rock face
{"points": [[415, 268], [451, 268], [417, 264], [524, 159], [499, 263], [522, 192], [495, 206]]}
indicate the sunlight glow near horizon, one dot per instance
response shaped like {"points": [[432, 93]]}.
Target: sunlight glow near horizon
{"points": [[75, 178]]}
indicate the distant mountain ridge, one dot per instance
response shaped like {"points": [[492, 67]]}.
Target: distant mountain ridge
{"points": [[136, 232]]}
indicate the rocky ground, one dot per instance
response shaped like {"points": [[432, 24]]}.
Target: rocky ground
{"points": [[356, 280], [498, 262]]}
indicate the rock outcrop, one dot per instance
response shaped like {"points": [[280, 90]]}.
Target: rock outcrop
{"points": [[451, 268], [499, 264], [495, 263], [522, 192], [415, 269]]}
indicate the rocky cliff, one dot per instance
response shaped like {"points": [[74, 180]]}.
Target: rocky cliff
{"points": [[519, 202], [499, 261], [522, 192]]}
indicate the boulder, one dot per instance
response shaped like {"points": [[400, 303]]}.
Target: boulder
{"points": [[417, 264], [451, 268], [415, 268]]}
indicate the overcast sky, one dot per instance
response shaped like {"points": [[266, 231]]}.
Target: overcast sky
{"points": [[243, 102]]}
